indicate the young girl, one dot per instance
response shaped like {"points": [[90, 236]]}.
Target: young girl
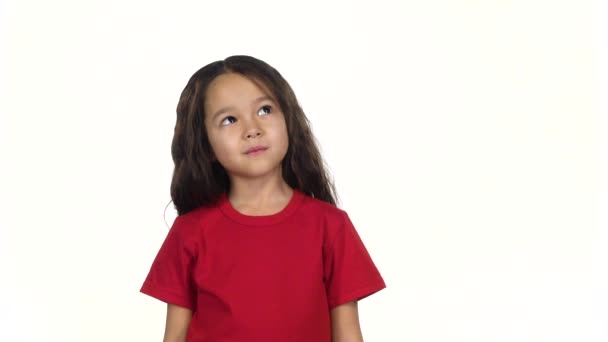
{"points": [[259, 251]]}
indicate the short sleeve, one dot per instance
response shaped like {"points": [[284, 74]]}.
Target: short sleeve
{"points": [[349, 271], [170, 278]]}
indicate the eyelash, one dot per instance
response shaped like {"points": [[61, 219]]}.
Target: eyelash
{"points": [[228, 117]]}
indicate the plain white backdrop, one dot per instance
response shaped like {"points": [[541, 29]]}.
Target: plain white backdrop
{"points": [[467, 140]]}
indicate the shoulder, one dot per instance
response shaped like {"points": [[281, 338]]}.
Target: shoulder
{"points": [[188, 222], [327, 211], [334, 220], [197, 218], [189, 227]]}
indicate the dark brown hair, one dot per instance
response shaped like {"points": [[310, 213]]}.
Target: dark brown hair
{"points": [[198, 179]]}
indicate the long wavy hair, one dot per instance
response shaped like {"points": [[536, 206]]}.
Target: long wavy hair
{"points": [[199, 179]]}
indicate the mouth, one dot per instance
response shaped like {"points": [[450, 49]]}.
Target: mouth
{"points": [[256, 150]]}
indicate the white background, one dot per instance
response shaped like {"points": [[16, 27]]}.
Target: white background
{"points": [[467, 140]]}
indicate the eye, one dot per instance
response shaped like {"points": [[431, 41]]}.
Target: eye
{"points": [[228, 120], [267, 109]]}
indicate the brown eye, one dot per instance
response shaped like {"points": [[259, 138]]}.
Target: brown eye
{"points": [[228, 120], [267, 109]]}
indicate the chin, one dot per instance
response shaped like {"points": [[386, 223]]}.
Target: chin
{"points": [[258, 171]]}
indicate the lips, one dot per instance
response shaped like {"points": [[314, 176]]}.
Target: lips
{"points": [[256, 149]]}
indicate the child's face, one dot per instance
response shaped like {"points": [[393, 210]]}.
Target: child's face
{"points": [[241, 116]]}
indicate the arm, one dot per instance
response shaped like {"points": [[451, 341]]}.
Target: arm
{"points": [[345, 323], [178, 320]]}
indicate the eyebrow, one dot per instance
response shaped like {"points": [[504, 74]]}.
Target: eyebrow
{"points": [[226, 109]]}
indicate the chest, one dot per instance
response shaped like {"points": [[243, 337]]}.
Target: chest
{"points": [[264, 259]]}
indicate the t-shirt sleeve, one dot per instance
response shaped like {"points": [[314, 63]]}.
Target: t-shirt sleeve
{"points": [[349, 271], [170, 278]]}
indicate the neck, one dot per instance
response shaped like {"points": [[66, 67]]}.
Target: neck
{"points": [[268, 191]]}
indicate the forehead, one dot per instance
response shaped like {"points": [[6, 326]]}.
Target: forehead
{"points": [[233, 89]]}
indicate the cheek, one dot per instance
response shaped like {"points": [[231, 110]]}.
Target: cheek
{"points": [[281, 137], [284, 133], [217, 143], [226, 145], [280, 129]]}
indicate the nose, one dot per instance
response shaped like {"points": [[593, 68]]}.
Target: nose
{"points": [[253, 133], [253, 130]]}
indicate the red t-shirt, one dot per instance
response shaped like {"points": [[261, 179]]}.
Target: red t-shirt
{"points": [[262, 278]]}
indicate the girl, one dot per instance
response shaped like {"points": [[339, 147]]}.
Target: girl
{"points": [[259, 251]]}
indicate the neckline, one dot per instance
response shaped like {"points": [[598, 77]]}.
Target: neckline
{"points": [[227, 209]]}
